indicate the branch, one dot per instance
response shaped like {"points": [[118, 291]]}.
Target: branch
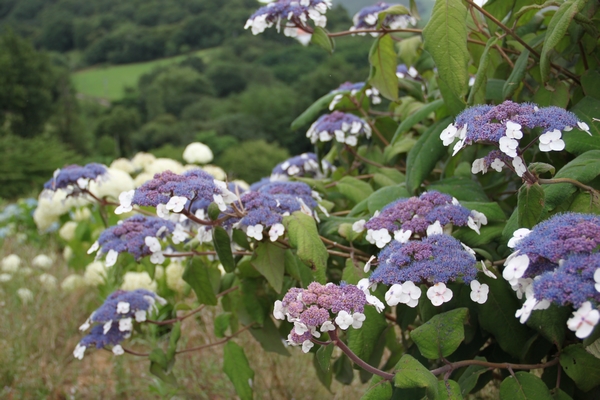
{"points": [[356, 359], [452, 366], [357, 31], [573, 182]]}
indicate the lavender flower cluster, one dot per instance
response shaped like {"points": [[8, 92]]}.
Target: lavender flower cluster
{"points": [[368, 17], [502, 126], [114, 320], [138, 235], [304, 165], [352, 89], [557, 262], [75, 178], [344, 127], [321, 308], [431, 212], [295, 13]]}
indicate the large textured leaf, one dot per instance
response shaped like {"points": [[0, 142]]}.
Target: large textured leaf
{"points": [[441, 335], [448, 390], [362, 341], [581, 366], [468, 379], [222, 245], [385, 196], [516, 76], [269, 338], [461, 188], [378, 389], [445, 38], [303, 234], [531, 205], [492, 211], [236, 367], [197, 275], [410, 374], [312, 112], [551, 323], [557, 28], [578, 142], [354, 189], [524, 386], [422, 158], [383, 67], [269, 261], [321, 39], [415, 118], [477, 94]]}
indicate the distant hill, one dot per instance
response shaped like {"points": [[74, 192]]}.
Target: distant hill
{"points": [[353, 6]]}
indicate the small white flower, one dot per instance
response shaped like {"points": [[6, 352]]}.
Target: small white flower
{"points": [[118, 350], [179, 234], [410, 294], [435, 229], [123, 307], [176, 203], [508, 146], [276, 231], [476, 220], [85, 326], [368, 264], [515, 266], [520, 286], [11, 263], [479, 292], [380, 237], [393, 295], [278, 310], [584, 127], [327, 326], [42, 261], [363, 285], [111, 258], [519, 166], [157, 258], [497, 165], [307, 345], [513, 130], [525, 311], [125, 199], [357, 320], [255, 231], [479, 166], [351, 141], [197, 153], [79, 351], [94, 247], [219, 202], [375, 302], [106, 327], [458, 146], [486, 271], [344, 320], [359, 226], [300, 328], [584, 320], [162, 211], [551, 141], [449, 134], [5, 277], [125, 325], [140, 315], [517, 236], [152, 243], [25, 295], [597, 279], [402, 236], [439, 294]]}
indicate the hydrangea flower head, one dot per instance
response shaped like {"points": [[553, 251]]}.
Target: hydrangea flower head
{"points": [[368, 17], [344, 127], [75, 177], [295, 15], [352, 89], [304, 165]]}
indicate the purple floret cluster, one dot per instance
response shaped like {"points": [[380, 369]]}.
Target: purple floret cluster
{"points": [[353, 89], [293, 13], [195, 185], [114, 319], [368, 17], [304, 165], [75, 176], [129, 236], [344, 127]]}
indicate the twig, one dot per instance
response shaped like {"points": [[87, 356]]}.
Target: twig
{"points": [[356, 359], [509, 366]]}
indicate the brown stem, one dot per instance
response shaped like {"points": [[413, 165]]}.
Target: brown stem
{"points": [[224, 340], [571, 181], [341, 246], [356, 359], [366, 160], [346, 33], [371, 124], [509, 366]]}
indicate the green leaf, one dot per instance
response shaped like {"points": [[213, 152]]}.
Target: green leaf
{"points": [[396, 9], [557, 94], [524, 386], [222, 245], [213, 211], [410, 373], [173, 339], [236, 367], [268, 259], [385, 196], [382, 58], [197, 275], [442, 334], [492, 211], [461, 188], [362, 341], [589, 85], [585, 203], [323, 376], [486, 235], [241, 239], [445, 38], [551, 323], [222, 323], [352, 274], [342, 367], [468, 379], [423, 157], [584, 168], [303, 235], [253, 300], [516, 76], [448, 390], [159, 365], [531, 205], [297, 269], [321, 39], [378, 389], [401, 146], [475, 95], [578, 142], [269, 338], [557, 28], [581, 366], [415, 118], [354, 189], [323, 356], [312, 112], [539, 168]]}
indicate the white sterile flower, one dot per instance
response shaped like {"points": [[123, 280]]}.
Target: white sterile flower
{"points": [[118, 350], [300, 328], [72, 282], [584, 320], [219, 202], [204, 235], [359, 226], [279, 310], [521, 286], [340, 136], [157, 258], [381, 237], [584, 127], [174, 274], [344, 320], [85, 326], [476, 220], [435, 229], [508, 146], [276, 231], [449, 134], [513, 130], [125, 199], [402, 236], [25, 295], [479, 292], [525, 311], [5, 277], [42, 261], [179, 234], [336, 99], [351, 140], [49, 282], [517, 236], [197, 153], [497, 165], [67, 231], [94, 247], [327, 326], [368, 264], [357, 320], [152, 243], [410, 294], [439, 294], [140, 315], [106, 327], [176, 203], [11, 263], [515, 266], [551, 141], [79, 351], [125, 324], [597, 279], [519, 166], [307, 345], [111, 258], [479, 166], [394, 295], [112, 184], [375, 302], [95, 273], [138, 280], [255, 231], [486, 271], [458, 146], [363, 285], [123, 307]]}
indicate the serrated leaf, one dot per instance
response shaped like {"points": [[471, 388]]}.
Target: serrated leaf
{"points": [[385, 196], [445, 38], [382, 58], [557, 28], [297, 269], [354, 189], [236, 367], [531, 205], [581, 366], [324, 377], [362, 341], [516, 76], [312, 112], [378, 389], [539, 168], [468, 379], [524, 386], [268, 259], [448, 390], [556, 94], [477, 93], [461, 188], [551, 323], [410, 373], [222, 322], [321, 39], [323, 356], [415, 118], [585, 203], [441, 335], [222, 245], [303, 235], [197, 275], [425, 154]]}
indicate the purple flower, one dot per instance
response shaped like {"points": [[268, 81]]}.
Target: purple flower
{"points": [[296, 189], [344, 127], [295, 13], [75, 176], [304, 165], [368, 17], [353, 89]]}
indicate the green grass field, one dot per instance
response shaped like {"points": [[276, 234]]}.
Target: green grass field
{"points": [[110, 82]]}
